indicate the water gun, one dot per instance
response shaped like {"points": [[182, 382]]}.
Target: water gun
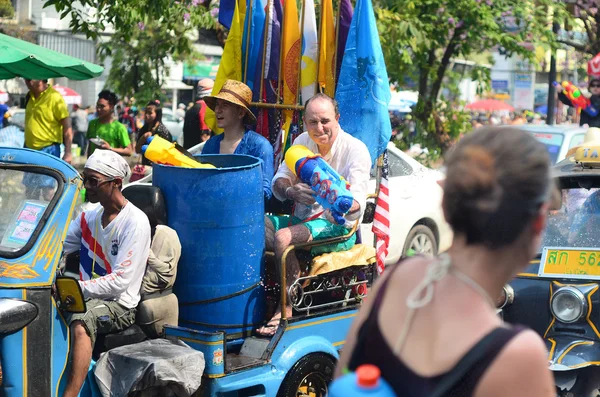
{"points": [[366, 381], [577, 98], [330, 188], [161, 151]]}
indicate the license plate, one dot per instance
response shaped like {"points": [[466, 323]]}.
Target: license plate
{"points": [[583, 263]]}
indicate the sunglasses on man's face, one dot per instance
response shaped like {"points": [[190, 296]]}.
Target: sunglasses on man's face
{"points": [[595, 86], [92, 182]]}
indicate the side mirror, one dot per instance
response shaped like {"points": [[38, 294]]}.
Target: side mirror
{"points": [[70, 294], [369, 213]]}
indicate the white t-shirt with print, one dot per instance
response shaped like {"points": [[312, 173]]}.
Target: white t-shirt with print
{"points": [[112, 259]]}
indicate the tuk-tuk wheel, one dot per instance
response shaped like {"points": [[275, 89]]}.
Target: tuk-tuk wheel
{"points": [[308, 377]]}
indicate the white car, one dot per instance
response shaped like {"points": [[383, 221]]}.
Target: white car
{"points": [[557, 138], [174, 124], [416, 218]]}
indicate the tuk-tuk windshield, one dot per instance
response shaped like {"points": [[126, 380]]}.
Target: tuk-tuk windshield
{"points": [[24, 197], [577, 223]]}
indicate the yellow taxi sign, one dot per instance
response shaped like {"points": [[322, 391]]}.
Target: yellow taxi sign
{"points": [[589, 155], [578, 263]]}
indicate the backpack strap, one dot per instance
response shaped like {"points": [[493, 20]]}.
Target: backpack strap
{"points": [[469, 370]]}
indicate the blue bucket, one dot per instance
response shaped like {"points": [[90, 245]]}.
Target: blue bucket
{"points": [[219, 217]]}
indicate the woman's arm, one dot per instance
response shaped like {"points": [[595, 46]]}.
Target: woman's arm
{"points": [[142, 141], [521, 369]]}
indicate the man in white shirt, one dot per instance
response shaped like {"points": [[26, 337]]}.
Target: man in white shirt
{"points": [[350, 158], [114, 243]]}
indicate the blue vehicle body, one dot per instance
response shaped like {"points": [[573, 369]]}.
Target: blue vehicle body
{"points": [[34, 358]]}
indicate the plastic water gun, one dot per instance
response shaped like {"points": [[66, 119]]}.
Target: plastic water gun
{"points": [[330, 188], [161, 151], [577, 98], [366, 381]]}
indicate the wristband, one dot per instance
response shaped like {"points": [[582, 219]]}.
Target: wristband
{"points": [[286, 192]]}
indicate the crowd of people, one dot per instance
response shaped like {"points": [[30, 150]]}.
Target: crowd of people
{"points": [[114, 124]]}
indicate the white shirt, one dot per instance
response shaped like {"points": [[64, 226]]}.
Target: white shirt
{"points": [[349, 157], [116, 254]]}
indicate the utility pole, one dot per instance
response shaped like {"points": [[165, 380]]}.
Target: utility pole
{"points": [[551, 79]]}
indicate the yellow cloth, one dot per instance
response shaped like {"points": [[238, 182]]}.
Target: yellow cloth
{"points": [[292, 47], [359, 254], [43, 117], [326, 80], [231, 60]]}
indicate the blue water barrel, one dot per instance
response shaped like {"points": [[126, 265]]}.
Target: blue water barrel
{"points": [[219, 217]]}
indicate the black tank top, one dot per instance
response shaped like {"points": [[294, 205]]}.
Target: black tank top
{"points": [[372, 348]]}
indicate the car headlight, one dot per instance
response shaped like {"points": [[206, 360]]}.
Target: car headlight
{"points": [[568, 304], [15, 314]]}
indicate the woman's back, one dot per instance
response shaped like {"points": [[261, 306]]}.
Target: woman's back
{"points": [[456, 325]]}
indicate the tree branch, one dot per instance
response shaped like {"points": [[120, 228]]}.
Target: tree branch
{"points": [[437, 84], [424, 75], [575, 45], [588, 29]]}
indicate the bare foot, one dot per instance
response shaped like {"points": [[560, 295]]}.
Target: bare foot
{"points": [[271, 327]]}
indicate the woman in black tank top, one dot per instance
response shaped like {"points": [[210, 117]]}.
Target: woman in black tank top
{"points": [[430, 324]]}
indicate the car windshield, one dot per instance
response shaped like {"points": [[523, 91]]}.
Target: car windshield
{"points": [[24, 197], [553, 142], [576, 223]]}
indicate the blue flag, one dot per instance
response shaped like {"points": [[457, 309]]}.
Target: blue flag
{"points": [[363, 90], [252, 40], [226, 8]]}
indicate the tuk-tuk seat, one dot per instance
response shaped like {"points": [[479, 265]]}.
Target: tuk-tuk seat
{"points": [[159, 307], [358, 254]]}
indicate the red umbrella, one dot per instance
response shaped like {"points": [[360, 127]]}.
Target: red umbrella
{"points": [[71, 96], [489, 105]]}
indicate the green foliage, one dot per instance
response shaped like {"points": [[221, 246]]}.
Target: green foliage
{"points": [[420, 38], [6, 9], [146, 32]]}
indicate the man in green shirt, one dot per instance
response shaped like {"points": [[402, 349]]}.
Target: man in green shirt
{"points": [[113, 134]]}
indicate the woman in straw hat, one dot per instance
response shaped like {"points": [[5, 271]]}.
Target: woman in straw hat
{"points": [[231, 107]]}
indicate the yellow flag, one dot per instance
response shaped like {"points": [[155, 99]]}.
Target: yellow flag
{"points": [[290, 60], [327, 50], [231, 60]]}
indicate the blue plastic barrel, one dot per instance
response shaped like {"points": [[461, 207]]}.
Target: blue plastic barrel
{"points": [[219, 217]]}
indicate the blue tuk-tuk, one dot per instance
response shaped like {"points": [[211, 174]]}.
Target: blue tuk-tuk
{"points": [[219, 216]]}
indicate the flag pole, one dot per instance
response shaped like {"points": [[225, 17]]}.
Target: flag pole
{"points": [[299, 86], [320, 41], [281, 56], [337, 42], [249, 14], [264, 54]]}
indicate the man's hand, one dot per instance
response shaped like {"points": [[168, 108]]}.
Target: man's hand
{"points": [[301, 193], [105, 146], [327, 215], [68, 157]]}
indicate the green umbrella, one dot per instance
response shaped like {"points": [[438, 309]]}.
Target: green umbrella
{"points": [[20, 58]]}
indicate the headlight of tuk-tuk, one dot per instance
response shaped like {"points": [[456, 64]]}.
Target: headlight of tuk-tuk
{"points": [[507, 297], [568, 304], [15, 314]]}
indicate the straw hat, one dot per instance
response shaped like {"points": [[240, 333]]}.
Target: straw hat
{"points": [[234, 92], [592, 137]]}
